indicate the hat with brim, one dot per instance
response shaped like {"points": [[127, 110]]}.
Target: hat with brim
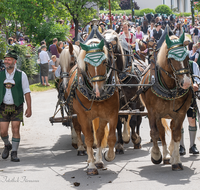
{"points": [[12, 54]]}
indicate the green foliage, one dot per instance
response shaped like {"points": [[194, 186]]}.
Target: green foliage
{"points": [[182, 14], [50, 30], [147, 10], [2, 46], [163, 9], [26, 59], [128, 12]]}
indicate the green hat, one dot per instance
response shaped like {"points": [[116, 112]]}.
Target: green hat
{"points": [[11, 53], [94, 53], [176, 48]]}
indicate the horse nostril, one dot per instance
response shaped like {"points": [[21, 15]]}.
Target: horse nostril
{"points": [[182, 83]]}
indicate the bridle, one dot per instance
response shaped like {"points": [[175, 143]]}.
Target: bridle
{"points": [[175, 72]]}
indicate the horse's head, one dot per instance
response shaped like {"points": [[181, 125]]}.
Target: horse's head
{"points": [[68, 59], [115, 47], [173, 57], [92, 60]]}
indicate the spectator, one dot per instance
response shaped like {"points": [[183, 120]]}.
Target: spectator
{"points": [[53, 48], [44, 65], [54, 63], [11, 41], [193, 55], [195, 34]]}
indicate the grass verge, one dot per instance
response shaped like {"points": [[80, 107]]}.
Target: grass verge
{"points": [[39, 88]]}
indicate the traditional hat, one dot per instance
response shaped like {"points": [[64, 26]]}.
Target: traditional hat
{"points": [[176, 49], [94, 53], [11, 53]]}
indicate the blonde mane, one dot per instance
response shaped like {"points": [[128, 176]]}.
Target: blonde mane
{"points": [[65, 57], [81, 62], [161, 57]]}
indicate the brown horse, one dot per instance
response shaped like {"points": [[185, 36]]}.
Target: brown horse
{"points": [[142, 47], [171, 100], [91, 75], [68, 62]]}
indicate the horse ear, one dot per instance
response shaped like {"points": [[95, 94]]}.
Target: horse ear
{"points": [[70, 48], [84, 47], [101, 44], [168, 41], [182, 38]]}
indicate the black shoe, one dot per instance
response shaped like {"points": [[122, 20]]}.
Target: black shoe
{"points": [[14, 157], [182, 150], [193, 150], [6, 150]]}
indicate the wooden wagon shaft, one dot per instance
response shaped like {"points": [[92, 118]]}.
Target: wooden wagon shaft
{"points": [[128, 85], [122, 112]]}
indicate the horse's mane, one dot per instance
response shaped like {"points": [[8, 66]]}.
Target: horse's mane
{"points": [[81, 62], [161, 58], [65, 56]]}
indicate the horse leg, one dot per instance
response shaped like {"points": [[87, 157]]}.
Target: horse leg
{"points": [[110, 154], [156, 156], [80, 145], [162, 137], [175, 143], [86, 127], [136, 139], [95, 124], [74, 138], [100, 135], [125, 134], [119, 147]]}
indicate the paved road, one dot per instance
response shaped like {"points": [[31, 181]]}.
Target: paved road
{"points": [[48, 160]]}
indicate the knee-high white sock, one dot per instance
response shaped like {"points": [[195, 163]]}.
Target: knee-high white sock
{"points": [[192, 132]]}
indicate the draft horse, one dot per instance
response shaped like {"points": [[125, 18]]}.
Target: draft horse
{"points": [[126, 93], [68, 63], [91, 100], [170, 97]]}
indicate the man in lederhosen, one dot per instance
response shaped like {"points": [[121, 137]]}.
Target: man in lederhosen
{"points": [[14, 86]]}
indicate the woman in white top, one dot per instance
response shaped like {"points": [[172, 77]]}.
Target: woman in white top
{"points": [[150, 30], [193, 55]]}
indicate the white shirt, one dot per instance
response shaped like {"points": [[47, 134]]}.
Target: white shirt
{"points": [[44, 57], [196, 72], [8, 98], [151, 31], [58, 71]]}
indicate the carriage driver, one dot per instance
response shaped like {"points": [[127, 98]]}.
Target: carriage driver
{"points": [[191, 115], [14, 86]]}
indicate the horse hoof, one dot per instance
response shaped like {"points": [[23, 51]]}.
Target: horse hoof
{"points": [[137, 146], [81, 153], [75, 145], [92, 171], [126, 142], [157, 161], [177, 167], [99, 165], [166, 161], [108, 160], [119, 151]]}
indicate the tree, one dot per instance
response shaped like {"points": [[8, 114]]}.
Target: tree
{"points": [[82, 10], [163, 9], [125, 4]]}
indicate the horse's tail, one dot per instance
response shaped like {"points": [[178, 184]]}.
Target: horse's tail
{"points": [[95, 123], [164, 122]]}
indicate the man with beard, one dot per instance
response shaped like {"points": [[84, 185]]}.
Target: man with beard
{"points": [[13, 87]]}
